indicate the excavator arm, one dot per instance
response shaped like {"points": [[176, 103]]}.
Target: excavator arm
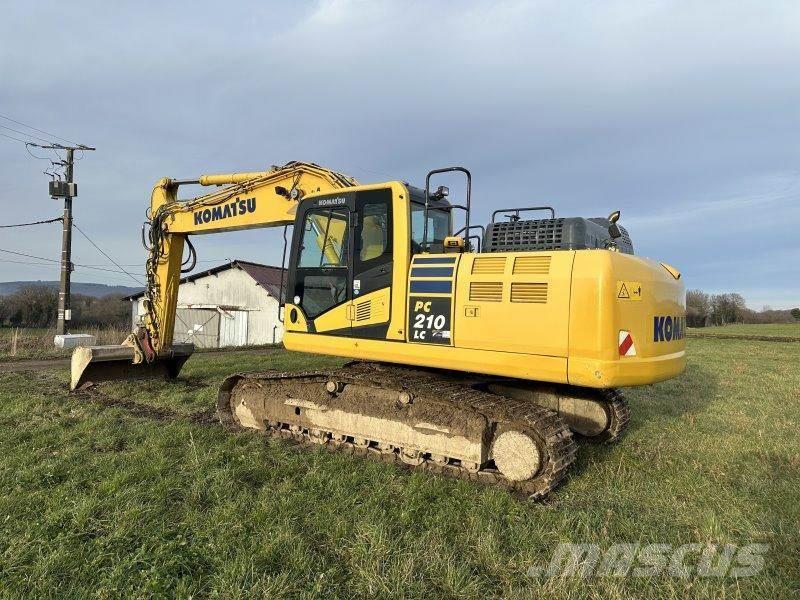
{"points": [[245, 201]]}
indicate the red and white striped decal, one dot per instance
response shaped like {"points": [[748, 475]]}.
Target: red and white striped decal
{"points": [[626, 347]]}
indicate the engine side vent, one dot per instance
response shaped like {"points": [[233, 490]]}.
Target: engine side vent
{"points": [[489, 265], [363, 311], [529, 292], [532, 265], [486, 291]]}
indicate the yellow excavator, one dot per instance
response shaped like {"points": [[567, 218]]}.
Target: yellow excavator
{"points": [[482, 351]]}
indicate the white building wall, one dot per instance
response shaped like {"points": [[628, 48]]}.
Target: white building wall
{"points": [[234, 288]]}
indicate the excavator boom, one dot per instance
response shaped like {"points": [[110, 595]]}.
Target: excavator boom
{"points": [[247, 201]]}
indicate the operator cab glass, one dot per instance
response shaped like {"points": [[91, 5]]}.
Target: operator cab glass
{"points": [[324, 239], [439, 223], [323, 259]]}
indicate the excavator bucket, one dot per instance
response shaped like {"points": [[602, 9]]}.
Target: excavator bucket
{"points": [[94, 364]]}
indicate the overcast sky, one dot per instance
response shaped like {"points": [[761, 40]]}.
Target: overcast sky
{"points": [[684, 115]]}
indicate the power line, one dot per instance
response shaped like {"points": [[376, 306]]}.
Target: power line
{"points": [[11, 137], [106, 270], [28, 255], [32, 223], [33, 264], [28, 150], [39, 130], [221, 260], [52, 260], [23, 262], [30, 135], [106, 255], [93, 266]]}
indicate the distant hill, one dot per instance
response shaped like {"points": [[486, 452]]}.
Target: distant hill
{"points": [[97, 290]]}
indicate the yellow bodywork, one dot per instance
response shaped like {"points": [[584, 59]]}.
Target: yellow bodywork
{"points": [[547, 316], [569, 334]]}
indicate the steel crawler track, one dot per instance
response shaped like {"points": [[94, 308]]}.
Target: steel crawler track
{"points": [[557, 446]]}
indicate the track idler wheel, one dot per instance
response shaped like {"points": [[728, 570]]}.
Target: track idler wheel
{"points": [[517, 455]]}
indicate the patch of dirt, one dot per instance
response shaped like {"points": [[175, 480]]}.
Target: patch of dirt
{"points": [[204, 417], [33, 365], [743, 336], [95, 396]]}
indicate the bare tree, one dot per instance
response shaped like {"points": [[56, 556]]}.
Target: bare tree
{"points": [[728, 308], [698, 308]]}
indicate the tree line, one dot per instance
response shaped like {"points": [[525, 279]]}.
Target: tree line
{"points": [[704, 309], [37, 306]]}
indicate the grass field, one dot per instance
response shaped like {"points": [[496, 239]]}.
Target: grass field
{"points": [[107, 501], [37, 342], [791, 330]]}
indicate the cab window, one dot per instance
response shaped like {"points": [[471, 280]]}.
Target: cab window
{"points": [[321, 276], [374, 231], [324, 239], [438, 226]]}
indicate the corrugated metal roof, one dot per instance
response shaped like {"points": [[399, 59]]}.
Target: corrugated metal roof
{"points": [[267, 276]]}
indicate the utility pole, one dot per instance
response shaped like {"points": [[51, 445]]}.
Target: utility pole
{"points": [[66, 189], [64, 310]]}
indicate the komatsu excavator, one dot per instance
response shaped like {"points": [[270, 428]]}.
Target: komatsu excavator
{"points": [[479, 351]]}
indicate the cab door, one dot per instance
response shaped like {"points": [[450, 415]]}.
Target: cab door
{"points": [[321, 281], [372, 264], [342, 259]]}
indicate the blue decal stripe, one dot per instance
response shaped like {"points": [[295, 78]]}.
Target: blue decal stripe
{"points": [[432, 272], [431, 287], [437, 260]]}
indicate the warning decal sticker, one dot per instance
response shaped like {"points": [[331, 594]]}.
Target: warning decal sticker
{"points": [[629, 290], [626, 346]]}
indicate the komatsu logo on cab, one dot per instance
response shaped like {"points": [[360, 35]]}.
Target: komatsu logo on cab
{"points": [[339, 200], [231, 209], [667, 329]]}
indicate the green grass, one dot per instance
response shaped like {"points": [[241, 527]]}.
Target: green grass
{"points": [[103, 502], [773, 329], [36, 343]]}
